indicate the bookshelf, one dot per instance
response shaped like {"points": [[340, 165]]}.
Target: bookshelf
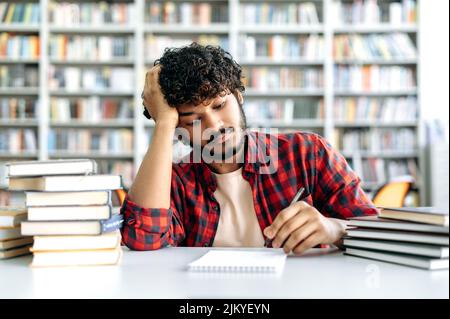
{"points": [[308, 41]]}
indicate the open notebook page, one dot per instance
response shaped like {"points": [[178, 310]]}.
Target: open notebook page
{"points": [[270, 260]]}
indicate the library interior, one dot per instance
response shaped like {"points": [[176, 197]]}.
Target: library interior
{"points": [[369, 76]]}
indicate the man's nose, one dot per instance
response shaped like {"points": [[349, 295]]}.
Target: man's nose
{"points": [[212, 121]]}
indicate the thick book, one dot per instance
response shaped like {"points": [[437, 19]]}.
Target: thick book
{"points": [[13, 243], [67, 198], [15, 252], [428, 215], [399, 247], [67, 183], [398, 235], [382, 223], [83, 227], [10, 233], [77, 258], [51, 167], [63, 213], [408, 260], [12, 216], [62, 243]]}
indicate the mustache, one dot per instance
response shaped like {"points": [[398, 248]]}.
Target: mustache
{"points": [[221, 131]]}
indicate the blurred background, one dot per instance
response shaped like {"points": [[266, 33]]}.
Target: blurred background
{"points": [[369, 75]]}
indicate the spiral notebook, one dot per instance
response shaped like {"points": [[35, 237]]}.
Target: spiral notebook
{"points": [[267, 260]]}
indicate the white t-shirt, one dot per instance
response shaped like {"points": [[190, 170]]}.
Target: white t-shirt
{"points": [[238, 224]]}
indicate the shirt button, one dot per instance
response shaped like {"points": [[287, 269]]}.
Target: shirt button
{"points": [[206, 245], [216, 208]]}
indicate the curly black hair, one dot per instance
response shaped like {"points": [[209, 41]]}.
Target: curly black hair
{"points": [[197, 73]]}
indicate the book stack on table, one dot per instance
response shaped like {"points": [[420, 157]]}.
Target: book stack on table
{"points": [[70, 214], [417, 237]]}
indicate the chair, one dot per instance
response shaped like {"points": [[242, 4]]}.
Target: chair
{"points": [[392, 194], [121, 194]]}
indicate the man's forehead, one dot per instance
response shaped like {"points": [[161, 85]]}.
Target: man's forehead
{"points": [[205, 103]]}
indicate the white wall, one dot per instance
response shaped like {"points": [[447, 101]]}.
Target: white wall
{"points": [[434, 95], [434, 58]]}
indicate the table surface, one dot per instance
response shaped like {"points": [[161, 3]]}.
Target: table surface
{"points": [[320, 273]]}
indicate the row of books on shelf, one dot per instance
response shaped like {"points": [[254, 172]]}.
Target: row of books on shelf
{"points": [[188, 13], [350, 109], [374, 78], [279, 47], [91, 13], [285, 110], [105, 141], [379, 171], [304, 13], [410, 236], [19, 76], [28, 13], [88, 48], [374, 46], [376, 109], [264, 78], [69, 13], [14, 140], [70, 215], [92, 109], [19, 46], [119, 79], [154, 45], [17, 108], [103, 48], [375, 140], [374, 12]]}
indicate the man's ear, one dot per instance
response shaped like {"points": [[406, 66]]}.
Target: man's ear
{"points": [[239, 97]]}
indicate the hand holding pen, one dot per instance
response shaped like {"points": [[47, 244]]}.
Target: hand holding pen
{"points": [[300, 226], [297, 196]]}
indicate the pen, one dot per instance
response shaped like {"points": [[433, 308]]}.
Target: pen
{"points": [[297, 196]]}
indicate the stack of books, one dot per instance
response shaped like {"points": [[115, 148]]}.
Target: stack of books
{"points": [[12, 243], [70, 213], [417, 237]]}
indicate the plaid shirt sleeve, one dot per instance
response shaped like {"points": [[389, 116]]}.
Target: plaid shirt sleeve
{"points": [[154, 228], [338, 192]]}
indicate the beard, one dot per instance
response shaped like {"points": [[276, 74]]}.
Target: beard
{"points": [[221, 152]]}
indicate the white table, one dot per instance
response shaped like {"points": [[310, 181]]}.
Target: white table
{"points": [[321, 273]]}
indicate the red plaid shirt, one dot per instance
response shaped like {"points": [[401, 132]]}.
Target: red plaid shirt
{"points": [[304, 160]]}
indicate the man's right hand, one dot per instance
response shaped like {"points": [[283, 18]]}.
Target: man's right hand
{"points": [[154, 100]]}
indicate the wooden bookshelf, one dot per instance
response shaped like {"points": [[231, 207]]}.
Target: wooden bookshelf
{"points": [[140, 27]]}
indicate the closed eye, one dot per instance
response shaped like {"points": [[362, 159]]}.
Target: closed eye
{"points": [[218, 107]]}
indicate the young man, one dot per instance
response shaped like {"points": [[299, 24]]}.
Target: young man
{"points": [[236, 187]]}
